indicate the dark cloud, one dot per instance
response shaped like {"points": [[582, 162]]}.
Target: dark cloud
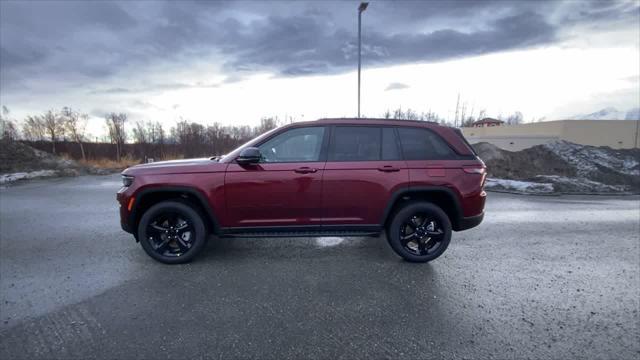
{"points": [[152, 88], [78, 41], [604, 11], [396, 86]]}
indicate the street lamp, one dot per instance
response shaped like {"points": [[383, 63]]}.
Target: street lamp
{"points": [[361, 8]]}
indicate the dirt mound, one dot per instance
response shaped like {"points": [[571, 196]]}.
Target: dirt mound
{"points": [[19, 161], [567, 167], [18, 157]]}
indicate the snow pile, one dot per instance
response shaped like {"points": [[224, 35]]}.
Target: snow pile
{"points": [[567, 185], [562, 166], [518, 186], [610, 113], [589, 159], [9, 178]]}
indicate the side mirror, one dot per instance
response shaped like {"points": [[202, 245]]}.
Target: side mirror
{"points": [[249, 156]]}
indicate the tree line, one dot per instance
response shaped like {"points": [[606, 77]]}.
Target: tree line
{"points": [[67, 129], [138, 139]]}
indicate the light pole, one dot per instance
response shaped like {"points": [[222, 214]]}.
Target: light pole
{"points": [[361, 8]]}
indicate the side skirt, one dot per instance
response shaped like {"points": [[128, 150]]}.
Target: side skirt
{"points": [[301, 231]]}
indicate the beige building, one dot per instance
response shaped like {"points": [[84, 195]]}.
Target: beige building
{"points": [[617, 134]]}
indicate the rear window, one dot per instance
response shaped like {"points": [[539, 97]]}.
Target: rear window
{"points": [[423, 144]]}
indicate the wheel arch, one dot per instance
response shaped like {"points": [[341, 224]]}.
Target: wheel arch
{"points": [[441, 196], [151, 196]]}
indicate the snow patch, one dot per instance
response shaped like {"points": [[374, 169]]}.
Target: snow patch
{"points": [[609, 113], [519, 186], [575, 185], [9, 178], [329, 241]]}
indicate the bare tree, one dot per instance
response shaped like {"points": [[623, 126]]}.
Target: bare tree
{"points": [[482, 114], [75, 124], [53, 126], [140, 133], [398, 113], [515, 118], [33, 128], [117, 135], [455, 120], [266, 124], [8, 128]]}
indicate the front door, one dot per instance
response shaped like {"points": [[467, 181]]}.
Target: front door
{"points": [[285, 188]]}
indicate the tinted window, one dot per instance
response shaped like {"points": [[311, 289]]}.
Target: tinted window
{"points": [[296, 145], [355, 143], [422, 144], [390, 149]]}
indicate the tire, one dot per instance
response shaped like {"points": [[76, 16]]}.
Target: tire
{"points": [[419, 232], [172, 232]]}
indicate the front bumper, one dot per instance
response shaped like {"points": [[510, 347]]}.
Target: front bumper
{"points": [[470, 222], [122, 199]]}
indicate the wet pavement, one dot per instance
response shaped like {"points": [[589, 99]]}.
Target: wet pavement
{"points": [[541, 277]]}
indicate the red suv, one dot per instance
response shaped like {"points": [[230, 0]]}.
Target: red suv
{"points": [[415, 180]]}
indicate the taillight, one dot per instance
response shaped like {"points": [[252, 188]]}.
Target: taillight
{"points": [[477, 170], [474, 170]]}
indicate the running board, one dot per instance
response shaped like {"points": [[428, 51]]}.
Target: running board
{"points": [[283, 232]]}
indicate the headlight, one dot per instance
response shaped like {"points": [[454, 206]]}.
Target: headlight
{"points": [[127, 180]]}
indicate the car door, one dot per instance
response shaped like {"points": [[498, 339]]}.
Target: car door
{"points": [[285, 188], [364, 167], [430, 160]]}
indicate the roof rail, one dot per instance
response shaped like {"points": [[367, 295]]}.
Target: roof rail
{"points": [[383, 119]]}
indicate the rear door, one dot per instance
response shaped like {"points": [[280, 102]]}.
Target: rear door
{"points": [[430, 159], [364, 167]]}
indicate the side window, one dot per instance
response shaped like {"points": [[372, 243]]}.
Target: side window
{"points": [[390, 149], [295, 145], [422, 144], [355, 143]]}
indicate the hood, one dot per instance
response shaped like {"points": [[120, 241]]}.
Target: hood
{"points": [[186, 166]]}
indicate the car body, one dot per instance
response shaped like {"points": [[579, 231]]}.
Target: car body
{"points": [[316, 178]]}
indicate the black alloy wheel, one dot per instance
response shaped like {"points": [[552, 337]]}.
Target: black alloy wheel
{"points": [[419, 232], [172, 232]]}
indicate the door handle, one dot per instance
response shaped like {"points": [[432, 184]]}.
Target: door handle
{"points": [[305, 170], [389, 168]]}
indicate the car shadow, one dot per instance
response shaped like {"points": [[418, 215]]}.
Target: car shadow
{"points": [[297, 247]]}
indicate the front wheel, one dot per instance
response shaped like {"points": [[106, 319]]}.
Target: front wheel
{"points": [[172, 232], [419, 232]]}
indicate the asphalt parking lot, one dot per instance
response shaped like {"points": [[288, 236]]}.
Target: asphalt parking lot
{"points": [[541, 277]]}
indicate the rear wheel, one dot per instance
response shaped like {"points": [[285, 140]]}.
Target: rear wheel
{"points": [[419, 232], [172, 232]]}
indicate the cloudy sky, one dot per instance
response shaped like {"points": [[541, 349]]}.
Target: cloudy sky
{"points": [[234, 62]]}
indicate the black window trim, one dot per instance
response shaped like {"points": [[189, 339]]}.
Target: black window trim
{"points": [[328, 136]]}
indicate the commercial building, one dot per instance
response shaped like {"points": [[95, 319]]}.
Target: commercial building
{"points": [[617, 134]]}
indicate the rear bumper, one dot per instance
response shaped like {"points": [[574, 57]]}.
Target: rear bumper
{"points": [[470, 222]]}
